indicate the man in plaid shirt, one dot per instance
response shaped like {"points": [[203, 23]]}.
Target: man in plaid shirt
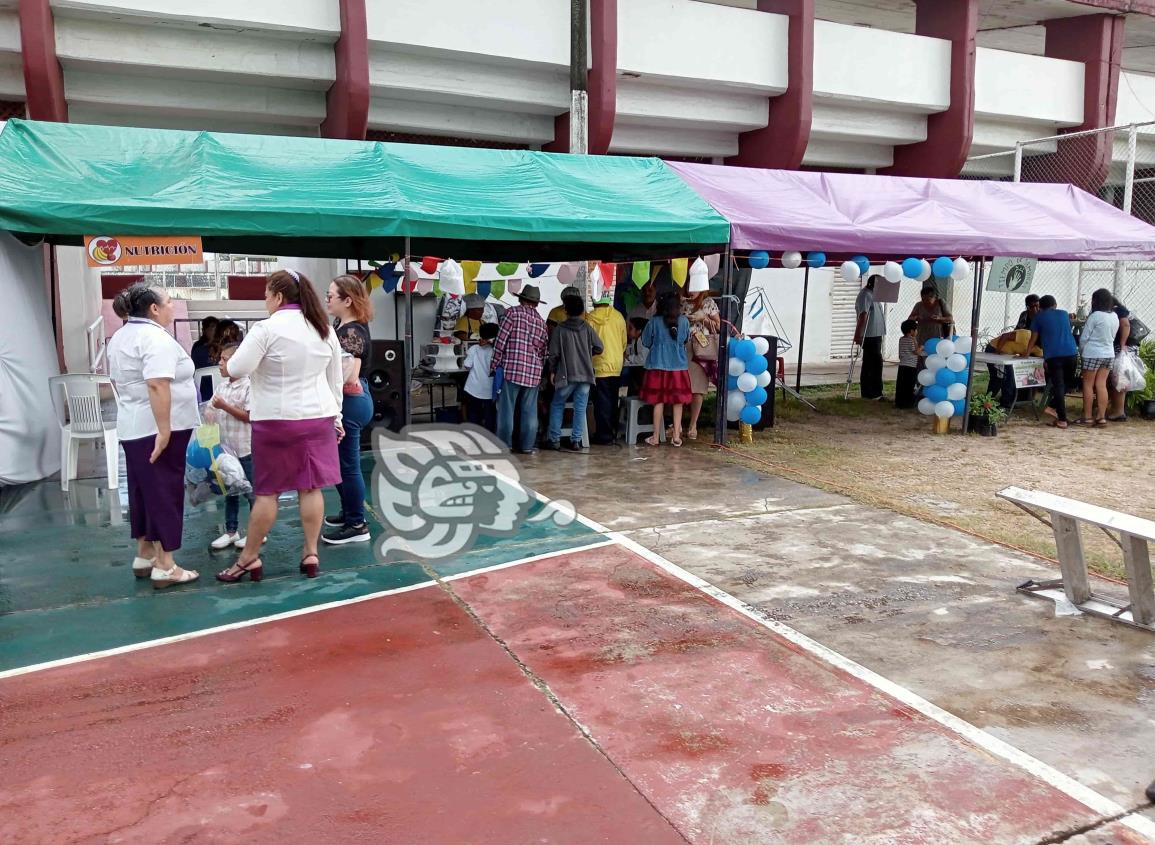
{"points": [[520, 352]]}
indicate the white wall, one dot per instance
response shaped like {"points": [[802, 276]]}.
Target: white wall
{"points": [[11, 69], [783, 289], [291, 17], [80, 304]]}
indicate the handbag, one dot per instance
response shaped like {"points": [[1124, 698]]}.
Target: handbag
{"points": [[704, 346], [1139, 331]]}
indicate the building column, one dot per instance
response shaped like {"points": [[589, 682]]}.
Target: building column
{"points": [[949, 133], [781, 144], [1097, 42], [43, 76], [347, 103], [603, 83]]}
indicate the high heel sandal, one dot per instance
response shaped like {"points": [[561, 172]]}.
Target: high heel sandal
{"points": [[254, 570], [310, 570]]}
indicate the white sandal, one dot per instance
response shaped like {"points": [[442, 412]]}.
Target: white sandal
{"points": [[142, 566], [162, 578]]}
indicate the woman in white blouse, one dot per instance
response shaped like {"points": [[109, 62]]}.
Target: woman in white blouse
{"points": [[294, 361], [156, 415], [1097, 348]]}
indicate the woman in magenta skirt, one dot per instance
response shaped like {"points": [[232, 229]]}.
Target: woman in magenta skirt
{"points": [[667, 378], [294, 362]]}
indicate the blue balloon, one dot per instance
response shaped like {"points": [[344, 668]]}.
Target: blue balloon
{"points": [[944, 377], [743, 350], [816, 259], [960, 406], [935, 393], [931, 345], [731, 382], [863, 263], [911, 267], [757, 396], [759, 259], [750, 414], [942, 267], [757, 365]]}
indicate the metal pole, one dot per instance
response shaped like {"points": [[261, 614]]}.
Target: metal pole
{"points": [[802, 330], [975, 311], [720, 421], [1018, 161], [1128, 197], [408, 350], [578, 77]]}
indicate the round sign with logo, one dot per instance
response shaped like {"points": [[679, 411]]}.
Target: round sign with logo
{"points": [[104, 250]]}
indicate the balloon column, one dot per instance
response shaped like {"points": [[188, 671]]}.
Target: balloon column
{"points": [[944, 381], [748, 381]]}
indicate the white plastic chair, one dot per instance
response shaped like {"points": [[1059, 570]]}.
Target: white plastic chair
{"points": [[76, 400], [213, 372]]}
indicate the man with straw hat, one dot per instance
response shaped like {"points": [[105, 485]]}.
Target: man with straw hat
{"points": [[519, 352]]}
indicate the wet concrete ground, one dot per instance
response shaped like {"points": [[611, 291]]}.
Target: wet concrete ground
{"points": [[929, 608]]}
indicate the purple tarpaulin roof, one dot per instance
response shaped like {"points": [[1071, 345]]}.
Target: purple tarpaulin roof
{"points": [[889, 216]]}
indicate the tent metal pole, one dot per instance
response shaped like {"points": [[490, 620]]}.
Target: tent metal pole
{"points": [[976, 310], [408, 337], [802, 330], [723, 349]]}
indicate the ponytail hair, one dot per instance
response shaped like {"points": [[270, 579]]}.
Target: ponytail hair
{"points": [[120, 304], [296, 289]]}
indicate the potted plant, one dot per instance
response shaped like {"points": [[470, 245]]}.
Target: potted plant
{"points": [[1143, 401], [986, 414]]}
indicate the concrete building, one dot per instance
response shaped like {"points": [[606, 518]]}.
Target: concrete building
{"points": [[908, 87]]}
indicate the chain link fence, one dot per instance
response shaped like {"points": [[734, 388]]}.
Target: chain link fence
{"points": [[1117, 165]]}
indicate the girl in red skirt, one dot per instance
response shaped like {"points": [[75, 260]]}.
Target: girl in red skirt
{"points": [[667, 378]]}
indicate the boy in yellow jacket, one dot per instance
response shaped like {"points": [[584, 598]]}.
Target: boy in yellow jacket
{"points": [[610, 325]]}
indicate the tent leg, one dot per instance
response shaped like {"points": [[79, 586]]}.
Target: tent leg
{"points": [[723, 349], [802, 330], [408, 337], [976, 311]]}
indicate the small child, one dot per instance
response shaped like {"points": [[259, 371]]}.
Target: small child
{"points": [[907, 383], [480, 408], [635, 363], [231, 412]]}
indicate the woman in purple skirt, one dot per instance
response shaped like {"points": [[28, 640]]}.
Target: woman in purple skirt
{"points": [[294, 362]]}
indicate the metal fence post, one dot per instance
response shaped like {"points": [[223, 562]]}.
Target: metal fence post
{"points": [[1018, 161]]}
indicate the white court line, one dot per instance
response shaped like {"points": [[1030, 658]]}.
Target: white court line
{"points": [[977, 736], [288, 614]]}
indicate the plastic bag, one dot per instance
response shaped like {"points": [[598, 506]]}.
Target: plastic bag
{"points": [[1128, 372], [210, 470]]}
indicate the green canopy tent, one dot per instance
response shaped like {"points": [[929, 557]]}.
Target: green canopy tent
{"points": [[345, 199]]}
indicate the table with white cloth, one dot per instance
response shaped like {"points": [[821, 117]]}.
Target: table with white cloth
{"points": [[1030, 374]]}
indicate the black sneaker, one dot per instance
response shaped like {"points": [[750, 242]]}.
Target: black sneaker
{"points": [[335, 521], [551, 445], [348, 534], [576, 446]]}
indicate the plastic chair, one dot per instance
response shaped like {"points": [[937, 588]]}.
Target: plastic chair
{"points": [[633, 408], [568, 431], [213, 372], [76, 400]]}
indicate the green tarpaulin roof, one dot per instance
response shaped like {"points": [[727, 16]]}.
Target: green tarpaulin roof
{"points": [[309, 196]]}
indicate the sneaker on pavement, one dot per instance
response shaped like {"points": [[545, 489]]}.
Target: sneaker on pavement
{"points": [[335, 521], [347, 534], [240, 541], [225, 540]]}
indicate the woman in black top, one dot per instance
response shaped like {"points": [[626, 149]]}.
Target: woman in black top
{"points": [[349, 305], [1117, 400]]}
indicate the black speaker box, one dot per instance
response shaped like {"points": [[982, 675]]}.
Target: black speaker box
{"points": [[388, 387]]}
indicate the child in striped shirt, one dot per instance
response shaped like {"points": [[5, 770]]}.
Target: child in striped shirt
{"points": [[906, 386]]}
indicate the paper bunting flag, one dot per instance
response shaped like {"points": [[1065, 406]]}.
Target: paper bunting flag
{"points": [[470, 269], [566, 274], [507, 268], [429, 265], [678, 268], [450, 279], [373, 281], [609, 274], [497, 288], [536, 270], [713, 262], [437, 287], [597, 282], [484, 288], [514, 286], [424, 286], [640, 274]]}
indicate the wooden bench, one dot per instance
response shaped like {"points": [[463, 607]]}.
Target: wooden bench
{"points": [[1066, 516]]}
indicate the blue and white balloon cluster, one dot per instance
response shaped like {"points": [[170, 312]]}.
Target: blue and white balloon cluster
{"points": [[944, 381], [748, 380]]}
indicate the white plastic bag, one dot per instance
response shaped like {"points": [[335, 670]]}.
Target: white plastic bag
{"points": [[1128, 372]]}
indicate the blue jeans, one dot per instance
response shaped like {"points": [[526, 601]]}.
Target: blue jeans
{"points": [[233, 503], [507, 402], [356, 413], [579, 394]]}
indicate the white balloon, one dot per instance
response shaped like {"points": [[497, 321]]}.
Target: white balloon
{"points": [[935, 362], [736, 367], [761, 345], [926, 377], [892, 271], [945, 348], [925, 406], [851, 272], [791, 260], [956, 363], [764, 378], [747, 382], [956, 391], [944, 410], [963, 345], [733, 413], [924, 273], [960, 270], [735, 402]]}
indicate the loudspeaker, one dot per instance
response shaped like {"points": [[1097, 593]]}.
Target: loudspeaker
{"points": [[388, 387]]}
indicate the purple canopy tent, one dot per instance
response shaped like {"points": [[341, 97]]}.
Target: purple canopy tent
{"points": [[888, 217]]}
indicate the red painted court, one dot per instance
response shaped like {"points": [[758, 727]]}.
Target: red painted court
{"points": [[587, 697]]}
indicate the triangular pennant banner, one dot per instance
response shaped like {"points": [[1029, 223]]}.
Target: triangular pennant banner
{"points": [[470, 269], [678, 267], [641, 273], [497, 288], [483, 288]]}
